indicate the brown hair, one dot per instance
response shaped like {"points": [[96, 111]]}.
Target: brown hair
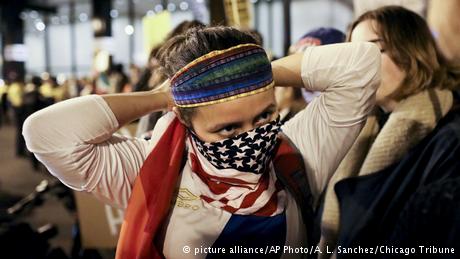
{"points": [[153, 75], [409, 43], [196, 42]]}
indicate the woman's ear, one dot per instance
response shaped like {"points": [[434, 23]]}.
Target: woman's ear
{"points": [[179, 115]]}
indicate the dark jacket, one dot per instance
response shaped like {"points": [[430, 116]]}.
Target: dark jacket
{"points": [[371, 206]]}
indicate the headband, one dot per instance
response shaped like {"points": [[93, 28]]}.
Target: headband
{"points": [[222, 75]]}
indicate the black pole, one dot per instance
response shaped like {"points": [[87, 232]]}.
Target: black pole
{"points": [[12, 30], [101, 13], [287, 25], [270, 24], [164, 3], [47, 44], [131, 37], [1, 42], [256, 15], [73, 54], [217, 12]]}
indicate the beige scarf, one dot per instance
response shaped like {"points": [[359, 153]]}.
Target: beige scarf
{"points": [[375, 149]]}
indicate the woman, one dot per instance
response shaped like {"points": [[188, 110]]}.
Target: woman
{"points": [[212, 183], [409, 143]]}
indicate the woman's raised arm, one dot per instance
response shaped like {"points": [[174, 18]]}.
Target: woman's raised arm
{"points": [[348, 75], [75, 140], [130, 106]]}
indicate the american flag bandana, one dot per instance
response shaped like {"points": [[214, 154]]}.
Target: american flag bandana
{"points": [[247, 152], [236, 174]]}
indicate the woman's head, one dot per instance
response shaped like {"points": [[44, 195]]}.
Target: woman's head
{"points": [[225, 119], [410, 60]]}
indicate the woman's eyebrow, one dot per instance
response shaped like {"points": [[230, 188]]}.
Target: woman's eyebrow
{"points": [[270, 108], [217, 127], [220, 126], [376, 40]]}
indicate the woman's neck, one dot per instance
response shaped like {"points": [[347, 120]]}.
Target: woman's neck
{"points": [[387, 105]]}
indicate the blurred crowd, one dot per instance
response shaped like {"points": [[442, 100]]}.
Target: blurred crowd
{"points": [[21, 98], [417, 116]]}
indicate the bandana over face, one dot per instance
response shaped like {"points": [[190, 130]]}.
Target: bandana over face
{"points": [[247, 152], [237, 175]]}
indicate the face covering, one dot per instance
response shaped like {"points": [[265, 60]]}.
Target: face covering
{"points": [[250, 152]]}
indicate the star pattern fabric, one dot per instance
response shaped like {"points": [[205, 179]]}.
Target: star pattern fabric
{"points": [[247, 152]]}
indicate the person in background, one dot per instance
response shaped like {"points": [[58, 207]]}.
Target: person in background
{"points": [[411, 141], [133, 75], [154, 76], [118, 80], [32, 102], [73, 87], [60, 91], [291, 100], [88, 86], [148, 80], [15, 99], [222, 145], [3, 102], [47, 88], [317, 37]]}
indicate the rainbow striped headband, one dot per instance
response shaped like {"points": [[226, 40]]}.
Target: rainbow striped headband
{"points": [[222, 75]]}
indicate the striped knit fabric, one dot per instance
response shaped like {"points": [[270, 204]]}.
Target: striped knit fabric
{"points": [[223, 75]]}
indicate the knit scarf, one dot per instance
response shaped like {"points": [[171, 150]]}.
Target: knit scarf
{"points": [[375, 149]]}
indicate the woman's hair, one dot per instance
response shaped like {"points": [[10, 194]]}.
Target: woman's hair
{"points": [[407, 39], [182, 49], [153, 75], [183, 27]]}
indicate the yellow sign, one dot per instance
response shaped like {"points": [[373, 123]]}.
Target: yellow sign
{"points": [[238, 13], [155, 28]]}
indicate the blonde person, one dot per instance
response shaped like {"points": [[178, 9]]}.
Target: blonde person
{"points": [[412, 140], [220, 172]]}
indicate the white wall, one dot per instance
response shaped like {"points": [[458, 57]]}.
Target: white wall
{"points": [[84, 47], [305, 15], [35, 43], [59, 47]]}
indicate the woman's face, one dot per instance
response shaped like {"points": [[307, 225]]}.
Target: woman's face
{"points": [[392, 75], [220, 121]]}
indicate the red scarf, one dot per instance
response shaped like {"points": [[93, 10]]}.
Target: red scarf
{"points": [[153, 192]]}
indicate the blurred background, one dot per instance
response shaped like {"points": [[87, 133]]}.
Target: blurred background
{"points": [[53, 50], [58, 36]]}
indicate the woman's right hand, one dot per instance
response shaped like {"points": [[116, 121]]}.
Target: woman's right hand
{"points": [[130, 106], [165, 90]]}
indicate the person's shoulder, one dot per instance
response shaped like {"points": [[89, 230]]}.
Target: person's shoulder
{"points": [[449, 126], [445, 138]]}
